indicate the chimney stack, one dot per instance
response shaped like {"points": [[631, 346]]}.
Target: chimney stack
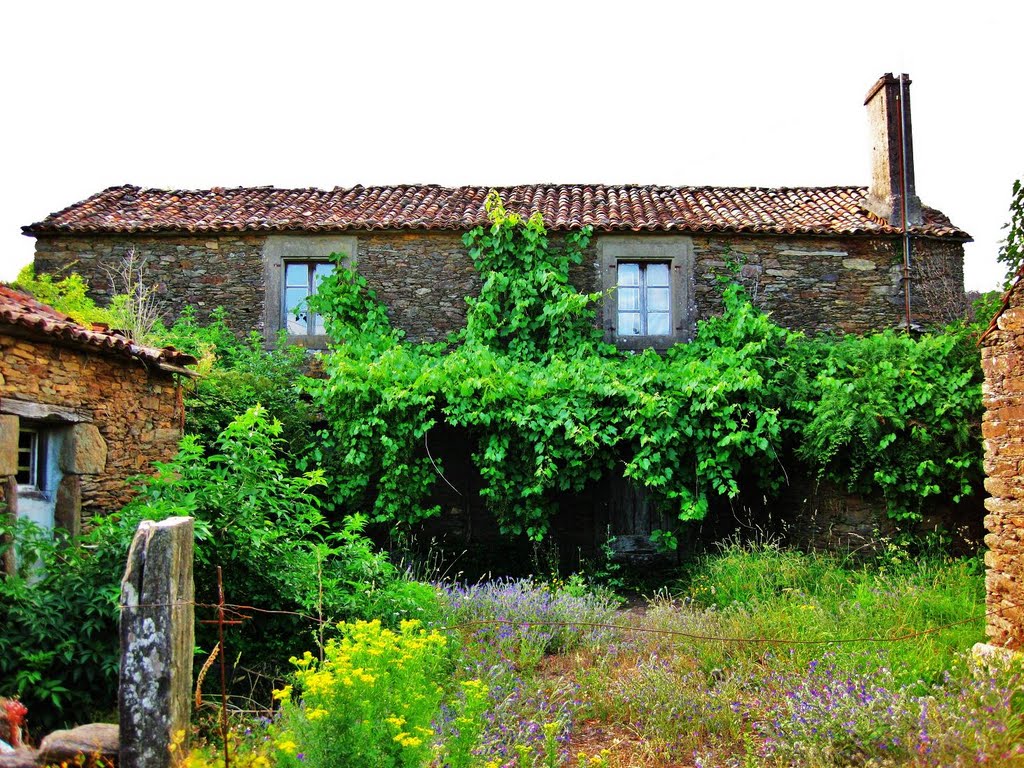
{"points": [[892, 152]]}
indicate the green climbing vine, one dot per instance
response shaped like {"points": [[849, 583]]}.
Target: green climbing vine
{"points": [[548, 408]]}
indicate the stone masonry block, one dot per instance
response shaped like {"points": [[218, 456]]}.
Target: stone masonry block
{"points": [[84, 451], [67, 507], [8, 445]]}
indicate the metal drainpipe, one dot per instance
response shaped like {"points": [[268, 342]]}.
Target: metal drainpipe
{"points": [[904, 211]]}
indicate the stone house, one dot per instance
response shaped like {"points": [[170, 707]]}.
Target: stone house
{"points": [[81, 411], [821, 259], [1002, 360], [840, 259]]}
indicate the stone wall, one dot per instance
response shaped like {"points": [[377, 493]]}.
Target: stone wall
{"points": [[206, 272], [814, 284], [822, 516], [126, 416], [1002, 359]]}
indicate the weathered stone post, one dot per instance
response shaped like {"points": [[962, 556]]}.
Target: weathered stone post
{"points": [[157, 641]]}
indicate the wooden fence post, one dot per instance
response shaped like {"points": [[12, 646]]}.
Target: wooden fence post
{"points": [[157, 643]]}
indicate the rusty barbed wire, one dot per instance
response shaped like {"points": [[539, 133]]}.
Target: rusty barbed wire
{"points": [[238, 617]]}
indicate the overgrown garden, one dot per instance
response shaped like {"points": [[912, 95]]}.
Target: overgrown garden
{"points": [[752, 654]]}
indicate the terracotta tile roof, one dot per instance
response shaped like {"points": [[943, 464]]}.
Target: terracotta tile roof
{"points": [[786, 210], [21, 310]]}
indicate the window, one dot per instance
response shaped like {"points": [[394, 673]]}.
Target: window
{"points": [[647, 285], [31, 459], [301, 279], [293, 266], [643, 290]]}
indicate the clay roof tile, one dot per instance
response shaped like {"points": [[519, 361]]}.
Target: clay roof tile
{"points": [[785, 210], [24, 312]]}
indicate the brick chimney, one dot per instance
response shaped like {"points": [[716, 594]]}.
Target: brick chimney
{"points": [[890, 133]]}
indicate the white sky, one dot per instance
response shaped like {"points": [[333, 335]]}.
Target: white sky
{"points": [[192, 95]]}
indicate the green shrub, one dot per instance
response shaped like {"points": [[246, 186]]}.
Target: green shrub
{"points": [[237, 374], [893, 415], [67, 295], [264, 526], [59, 646], [371, 701]]}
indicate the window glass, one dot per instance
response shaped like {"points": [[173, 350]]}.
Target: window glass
{"points": [[656, 274], [657, 299], [629, 324], [629, 299], [321, 271], [296, 275], [658, 324], [629, 273], [31, 458], [27, 457]]}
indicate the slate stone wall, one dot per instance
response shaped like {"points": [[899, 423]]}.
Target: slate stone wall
{"points": [[1002, 359], [206, 272], [814, 284], [133, 417]]}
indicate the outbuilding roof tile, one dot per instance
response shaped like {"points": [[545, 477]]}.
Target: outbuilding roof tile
{"points": [[25, 313]]}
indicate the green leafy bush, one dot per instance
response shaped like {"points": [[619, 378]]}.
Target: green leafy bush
{"points": [[237, 374], [264, 526], [893, 415], [254, 518], [59, 646], [67, 295]]}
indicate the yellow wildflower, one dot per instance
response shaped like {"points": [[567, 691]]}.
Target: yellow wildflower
{"points": [[287, 746], [283, 693]]}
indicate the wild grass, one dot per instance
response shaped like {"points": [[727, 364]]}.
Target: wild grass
{"points": [[755, 656]]}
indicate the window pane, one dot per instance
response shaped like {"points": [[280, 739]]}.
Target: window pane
{"points": [[318, 325], [629, 324], [295, 309], [28, 449], [657, 274], [657, 299], [657, 324], [629, 273], [321, 271], [629, 299], [296, 275]]}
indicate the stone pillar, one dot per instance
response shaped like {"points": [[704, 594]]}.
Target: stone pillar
{"points": [[8, 486], [83, 452], [157, 642]]}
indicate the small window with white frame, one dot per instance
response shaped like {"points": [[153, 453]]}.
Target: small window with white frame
{"points": [[31, 460], [301, 280]]}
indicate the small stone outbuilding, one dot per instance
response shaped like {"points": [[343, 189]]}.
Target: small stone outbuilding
{"points": [[82, 409], [1002, 359]]}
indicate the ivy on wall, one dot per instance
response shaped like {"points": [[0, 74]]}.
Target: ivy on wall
{"points": [[549, 408]]}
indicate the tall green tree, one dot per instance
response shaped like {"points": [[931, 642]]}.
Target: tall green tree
{"points": [[1011, 253]]}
